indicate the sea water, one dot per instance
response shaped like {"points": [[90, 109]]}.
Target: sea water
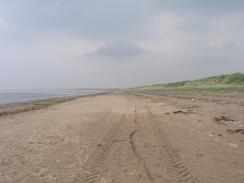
{"points": [[21, 96]]}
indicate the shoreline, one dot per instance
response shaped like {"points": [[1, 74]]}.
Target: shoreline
{"points": [[15, 108]]}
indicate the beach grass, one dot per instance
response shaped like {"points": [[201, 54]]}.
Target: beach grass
{"points": [[223, 83]]}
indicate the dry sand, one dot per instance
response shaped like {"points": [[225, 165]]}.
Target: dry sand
{"points": [[126, 137]]}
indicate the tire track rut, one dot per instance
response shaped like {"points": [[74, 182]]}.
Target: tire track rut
{"points": [[98, 157], [176, 168], [133, 147], [93, 166]]}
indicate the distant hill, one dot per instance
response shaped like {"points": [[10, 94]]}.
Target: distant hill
{"points": [[223, 83]]}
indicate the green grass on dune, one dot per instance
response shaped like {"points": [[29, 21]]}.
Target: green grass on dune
{"points": [[228, 79], [197, 89], [222, 83]]}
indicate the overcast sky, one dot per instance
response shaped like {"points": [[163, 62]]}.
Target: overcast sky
{"points": [[117, 43]]}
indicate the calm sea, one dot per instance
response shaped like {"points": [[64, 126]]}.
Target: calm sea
{"points": [[20, 96]]}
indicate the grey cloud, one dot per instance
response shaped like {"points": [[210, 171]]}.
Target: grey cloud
{"points": [[117, 50], [210, 6], [40, 39], [230, 46], [106, 20], [93, 18]]}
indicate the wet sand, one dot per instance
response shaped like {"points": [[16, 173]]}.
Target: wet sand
{"points": [[126, 137]]}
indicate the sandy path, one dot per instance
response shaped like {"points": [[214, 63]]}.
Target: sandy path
{"points": [[122, 137]]}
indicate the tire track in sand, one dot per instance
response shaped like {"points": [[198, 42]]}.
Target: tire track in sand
{"points": [[176, 168], [97, 159], [133, 146]]}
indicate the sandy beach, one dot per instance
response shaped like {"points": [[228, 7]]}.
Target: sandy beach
{"points": [[125, 137]]}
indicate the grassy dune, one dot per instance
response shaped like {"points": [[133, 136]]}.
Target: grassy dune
{"points": [[223, 83]]}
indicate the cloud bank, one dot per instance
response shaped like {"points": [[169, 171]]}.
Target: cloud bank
{"points": [[64, 44], [117, 50]]}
